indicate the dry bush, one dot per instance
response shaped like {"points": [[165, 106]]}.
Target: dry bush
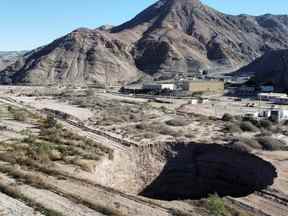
{"points": [[247, 126], [276, 129], [264, 133], [86, 165], [178, 122], [19, 115], [30, 139], [232, 128], [266, 124], [165, 130], [147, 135], [143, 126], [240, 147], [50, 121], [158, 127], [252, 120], [252, 143], [190, 134], [271, 144], [227, 117]]}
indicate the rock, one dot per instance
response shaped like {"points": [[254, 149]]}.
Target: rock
{"points": [[55, 155], [8, 58]]}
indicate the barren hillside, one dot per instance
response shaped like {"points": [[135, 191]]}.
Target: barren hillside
{"points": [[270, 68], [169, 37]]}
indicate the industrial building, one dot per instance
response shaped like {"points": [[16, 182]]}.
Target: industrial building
{"points": [[277, 98], [276, 115], [212, 86]]}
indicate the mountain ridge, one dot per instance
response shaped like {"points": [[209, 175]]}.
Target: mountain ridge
{"points": [[167, 38]]}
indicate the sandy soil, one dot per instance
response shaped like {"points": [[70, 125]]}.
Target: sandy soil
{"points": [[81, 113], [266, 206], [12, 207]]}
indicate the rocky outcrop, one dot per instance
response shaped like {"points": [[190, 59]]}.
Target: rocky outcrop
{"points": [[169, 37], [194, 171], [8, 58], [271, 68]]}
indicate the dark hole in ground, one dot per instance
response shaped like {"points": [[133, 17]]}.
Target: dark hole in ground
{"points": [[194, 171]]}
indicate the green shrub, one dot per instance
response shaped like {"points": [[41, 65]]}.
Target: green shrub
{"points": [[30, 139], [247, 126], [216, 206]]}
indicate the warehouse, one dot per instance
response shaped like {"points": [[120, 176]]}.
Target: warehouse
{"points": [[213, 86]]}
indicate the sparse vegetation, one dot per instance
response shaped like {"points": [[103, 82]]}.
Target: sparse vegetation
{"points": [[271, 144], [233, 128], [243, 144]]}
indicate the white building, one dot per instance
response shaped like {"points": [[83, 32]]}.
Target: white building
{"points": [[159, 86]]}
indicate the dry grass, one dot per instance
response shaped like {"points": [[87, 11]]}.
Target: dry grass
{"points": [[54, 144]]}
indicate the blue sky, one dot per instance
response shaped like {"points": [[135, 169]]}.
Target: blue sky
{"points": [[27, 24]]}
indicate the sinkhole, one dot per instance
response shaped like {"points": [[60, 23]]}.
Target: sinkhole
{"points": [[193, 171]]}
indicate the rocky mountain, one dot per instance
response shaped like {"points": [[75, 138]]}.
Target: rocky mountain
{"points": [[8, 58], [169, 37], [272, 68]]}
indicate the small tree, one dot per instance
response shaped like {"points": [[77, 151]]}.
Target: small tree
{"points": [[216, 206]]}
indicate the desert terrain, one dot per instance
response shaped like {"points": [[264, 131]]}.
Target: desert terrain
{"points": [[86, 152]]}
